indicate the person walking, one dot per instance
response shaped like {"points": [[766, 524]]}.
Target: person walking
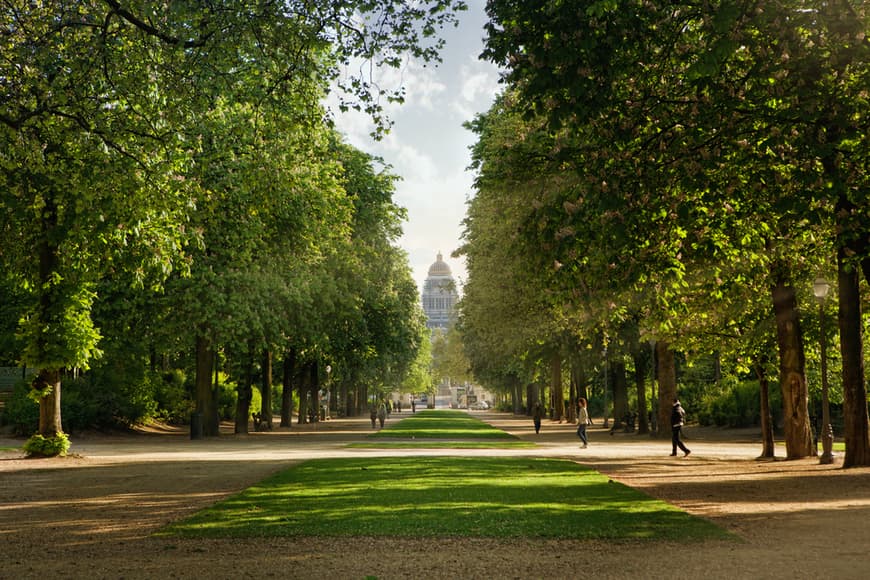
{"points": [[374, 416], [582, 421], [382, 414], [537, 414], [678, 418]]}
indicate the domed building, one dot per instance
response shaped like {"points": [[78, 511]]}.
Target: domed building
{"points": [[439, 295]]}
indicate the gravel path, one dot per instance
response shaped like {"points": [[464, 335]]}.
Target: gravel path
{"points": [[90, 515]]}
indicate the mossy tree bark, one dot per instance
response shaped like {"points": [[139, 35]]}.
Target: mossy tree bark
{"points": [[792, 375]]}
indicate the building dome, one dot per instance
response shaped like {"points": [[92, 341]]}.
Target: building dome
{"points": [[439, 295], [439, 268]]}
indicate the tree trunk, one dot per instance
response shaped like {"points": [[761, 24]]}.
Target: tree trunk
{"points": [[304, 387], [557, 390], [344, 394], [245, 391], [531, 397], [792, 375], [289, 368], [573, 391], [266, 390], [48, 380], [855, 420], [205, 401], [518, 394], [640, 370], [768, 450], [355, 396], [314, 387], [666, 372], [620, 392]]}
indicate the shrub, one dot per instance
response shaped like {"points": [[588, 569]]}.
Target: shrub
{"points": [[91, 401], [226, 397], [99, 400], [735, 404], [39, 446], [171, 396], [21, 413]]}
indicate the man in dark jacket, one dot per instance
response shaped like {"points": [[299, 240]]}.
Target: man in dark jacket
{"points": [[678, 417]]}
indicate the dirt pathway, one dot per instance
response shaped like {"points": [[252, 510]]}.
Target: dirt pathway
{"points": [[90, 515]]}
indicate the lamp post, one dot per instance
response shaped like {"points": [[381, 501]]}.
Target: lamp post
{"points": [[820, 289]]}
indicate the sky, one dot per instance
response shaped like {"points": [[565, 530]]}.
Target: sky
{"points": [[427, 146]]}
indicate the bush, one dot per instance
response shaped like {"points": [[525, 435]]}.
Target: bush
{"points": [[174, 404], [21, 413], [226, 397], [735, 404], [99, 400], [91, 401], [39, 446]]}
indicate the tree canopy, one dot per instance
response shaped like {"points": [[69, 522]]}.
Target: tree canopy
{"points": [[669, 164], [167, 141]]}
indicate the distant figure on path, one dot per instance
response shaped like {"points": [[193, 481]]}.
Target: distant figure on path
{"points": [[382, 414], [413, 405], [678, 417], [582, 421], [537, 414], [374, 416]]}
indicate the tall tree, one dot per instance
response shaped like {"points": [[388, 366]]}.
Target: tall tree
{"points": [[92, 94], [690, 93]]}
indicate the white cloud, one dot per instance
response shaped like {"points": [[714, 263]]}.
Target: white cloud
{"points": [[427, 146], [479, 81], [422, 84]]}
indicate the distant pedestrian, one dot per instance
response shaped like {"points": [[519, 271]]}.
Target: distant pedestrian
{"points": [[382, 414], [678, 418], [374, 416], [582, 422], [537, 414], [413, 405]]}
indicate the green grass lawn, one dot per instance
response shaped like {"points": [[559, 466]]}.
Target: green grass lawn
{"points": [[441, 425], [441, 444], [444, 497]]}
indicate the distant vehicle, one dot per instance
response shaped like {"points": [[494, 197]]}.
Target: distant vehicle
{"points": [[479, 406], [424, 398]]}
